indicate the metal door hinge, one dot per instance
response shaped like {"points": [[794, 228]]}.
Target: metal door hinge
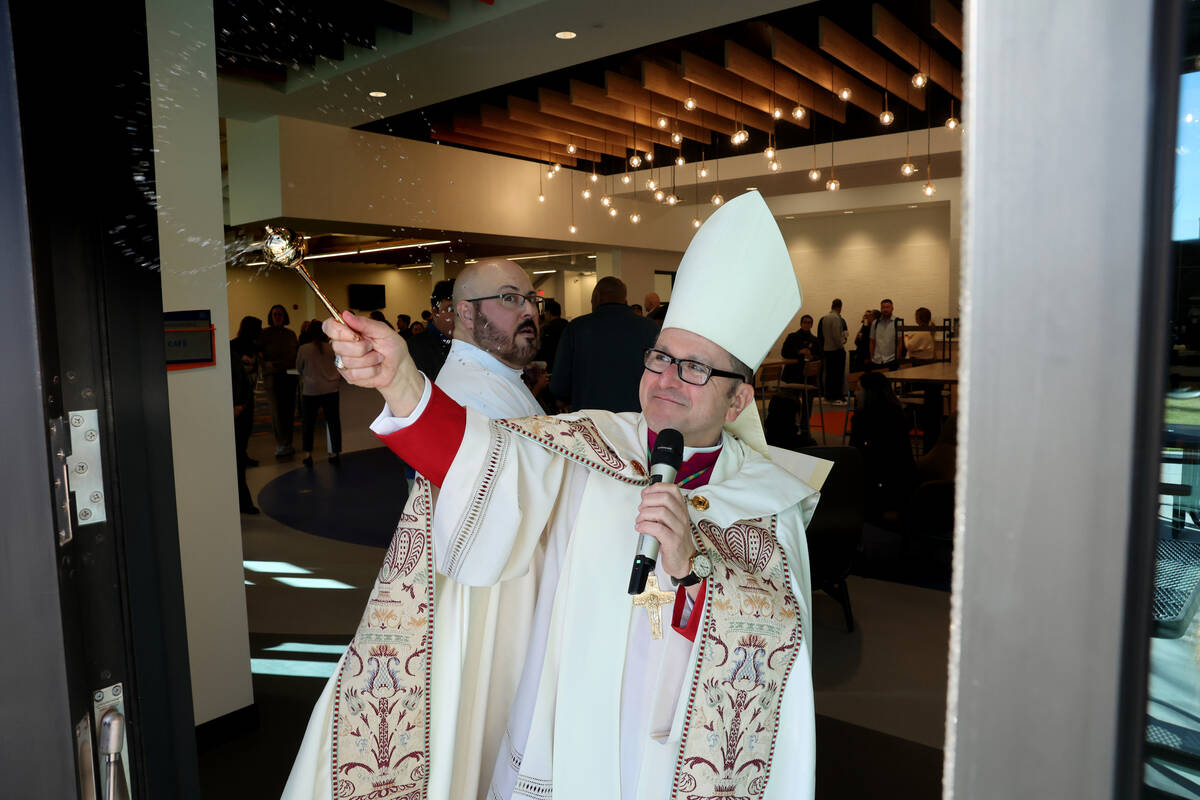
{"points": [[60, 449], [84, 468]]}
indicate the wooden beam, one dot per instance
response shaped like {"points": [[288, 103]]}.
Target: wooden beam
{"points": [[902, 41], [872, 66], [947, 20], [473, 127], [821, 71], [718, 79], [593, 98], [530, 112], [627, 90], [786, 83], [666, 81], [498, 119], [559, 105], [443, 133]]}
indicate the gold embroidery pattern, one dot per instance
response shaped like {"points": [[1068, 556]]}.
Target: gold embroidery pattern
{"points": [[750, 639], [380, 743]]}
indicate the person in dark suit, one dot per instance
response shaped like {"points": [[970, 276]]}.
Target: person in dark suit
{"points": [[430, 347], [600, 356], [553, 326]]}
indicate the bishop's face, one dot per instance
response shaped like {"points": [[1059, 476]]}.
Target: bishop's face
{"points": [[698, 412]]}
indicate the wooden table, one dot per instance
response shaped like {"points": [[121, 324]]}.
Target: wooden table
{"points": [[937, 372]]}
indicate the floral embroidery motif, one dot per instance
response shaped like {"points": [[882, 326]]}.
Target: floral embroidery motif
{"points": [[380, 746], [578, 439], [752, 617]]}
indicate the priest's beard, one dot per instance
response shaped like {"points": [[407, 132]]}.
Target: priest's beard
{"points": [[508, 348]]}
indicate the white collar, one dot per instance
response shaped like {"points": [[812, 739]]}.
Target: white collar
{"points": [[688, 452], [466, 350]]}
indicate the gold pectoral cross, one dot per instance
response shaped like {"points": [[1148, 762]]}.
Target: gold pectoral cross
{"points": [[654, 601]]}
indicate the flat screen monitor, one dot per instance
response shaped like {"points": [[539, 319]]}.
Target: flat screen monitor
{"points": [[367, 296]]}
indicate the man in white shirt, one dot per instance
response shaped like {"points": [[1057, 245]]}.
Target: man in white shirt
{"points": [[494, 339], [885, 341]]}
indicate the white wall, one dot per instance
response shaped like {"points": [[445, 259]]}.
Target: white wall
{"points": [[253, 290], [901, 254], [191, 244]]}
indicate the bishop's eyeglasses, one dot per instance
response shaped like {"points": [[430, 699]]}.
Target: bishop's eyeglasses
{"points": [[513, 301], [696, 373]]}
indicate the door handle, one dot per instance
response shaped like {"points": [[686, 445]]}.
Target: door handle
{"points": [[112, 739]]}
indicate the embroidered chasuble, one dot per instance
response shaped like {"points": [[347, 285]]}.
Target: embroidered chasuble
{"points": [[602, 709]]}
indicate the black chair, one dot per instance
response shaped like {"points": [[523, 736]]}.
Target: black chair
{"points": [[835, 532]]}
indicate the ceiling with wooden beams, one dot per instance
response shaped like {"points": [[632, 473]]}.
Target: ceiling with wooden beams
{"points": [[748, 76]]}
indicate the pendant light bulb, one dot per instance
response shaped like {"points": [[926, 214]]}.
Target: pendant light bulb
{"points": [[695, 222], [799, 113], [612, 211], [845, 93], [704, 172], [587, 194], [662, 122], [571, 229], [833, 184], [595, 177], [557, 166], [680, 160], [652, 184], [717, 199], [777, 113], [920, 79], [659, 195], [672, 199], [907, 169], [952, 122], [549, 174], [775, 165], [769, 153], [635, 218], [814, 174], [625, 178], [571, 149], [886, 117], [649, 157], [928, 189], [606, 201], [676, 137], [635, 161], [690, 104], [541, 198]]}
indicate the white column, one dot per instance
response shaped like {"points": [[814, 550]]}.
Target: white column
{"points": [[183, 87]]}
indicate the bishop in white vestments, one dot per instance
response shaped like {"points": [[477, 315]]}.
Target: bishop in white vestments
{"points": [[704, 694]]}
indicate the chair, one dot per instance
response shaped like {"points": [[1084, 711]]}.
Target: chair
{"points": [[835, 531], [766, 384]]}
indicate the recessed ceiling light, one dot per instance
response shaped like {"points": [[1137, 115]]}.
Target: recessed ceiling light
{"points": [[914, 205], [565, 35], [847, 212], [789, 217], [751, 188], [377, 94]]}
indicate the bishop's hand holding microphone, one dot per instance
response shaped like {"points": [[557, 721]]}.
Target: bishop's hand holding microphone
{"points": [[659, 515]]}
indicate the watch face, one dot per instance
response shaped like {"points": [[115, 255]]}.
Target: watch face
{"points": [[701, 566]]}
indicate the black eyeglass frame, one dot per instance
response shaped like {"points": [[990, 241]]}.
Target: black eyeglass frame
{"points": [[538, 303], [679, 362]]}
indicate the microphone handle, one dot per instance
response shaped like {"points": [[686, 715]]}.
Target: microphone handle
{"points": [[647, 549]]}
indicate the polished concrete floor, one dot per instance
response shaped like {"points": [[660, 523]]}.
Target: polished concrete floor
{"points": [[880, 691]]}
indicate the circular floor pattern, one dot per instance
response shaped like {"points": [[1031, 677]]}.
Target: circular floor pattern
{"points": [[358, 500]]}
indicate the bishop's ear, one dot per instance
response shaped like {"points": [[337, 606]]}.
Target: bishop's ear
{"points": [[742, 397]]}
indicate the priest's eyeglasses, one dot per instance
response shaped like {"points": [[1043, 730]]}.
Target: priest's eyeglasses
{"points": [[513, 301], [696, 373]]}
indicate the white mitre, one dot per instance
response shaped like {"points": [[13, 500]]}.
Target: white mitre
{"points": [[736, 287]]}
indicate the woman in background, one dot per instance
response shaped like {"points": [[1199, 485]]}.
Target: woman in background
{"points": [[243, 370], [277, 345], [319, 382]]}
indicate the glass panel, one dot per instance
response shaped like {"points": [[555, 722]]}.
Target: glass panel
{"points": [[1172, 766]]}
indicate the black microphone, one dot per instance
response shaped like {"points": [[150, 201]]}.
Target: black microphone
{"points": [[664, 463]]}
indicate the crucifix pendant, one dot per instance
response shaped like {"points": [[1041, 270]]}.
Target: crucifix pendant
{"points": [[653, 601]]}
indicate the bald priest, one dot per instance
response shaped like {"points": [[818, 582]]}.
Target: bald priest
{"points": [[701, 692]]}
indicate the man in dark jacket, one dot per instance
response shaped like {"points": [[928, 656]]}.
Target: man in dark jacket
{"points": [[553, 326], [600, 358], [430, 347]]}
